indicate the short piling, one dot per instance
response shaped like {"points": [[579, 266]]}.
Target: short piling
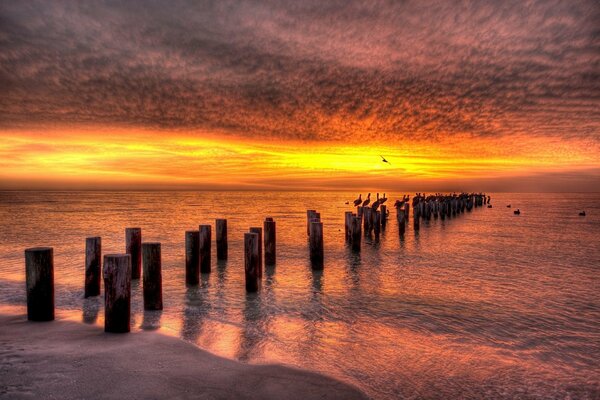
{"points": [[251, 246], [133, 247], [117, 292], [316, 245], [204, 240], [93, 266], [39, 278], [152, 268], [270, 241], [192, 257], [309, 216], [221, 238], [259, 232]]}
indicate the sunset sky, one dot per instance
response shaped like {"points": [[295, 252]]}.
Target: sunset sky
{"points": [[487, 95]]}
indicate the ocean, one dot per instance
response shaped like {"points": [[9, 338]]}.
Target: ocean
{"points": [[484, 305]]}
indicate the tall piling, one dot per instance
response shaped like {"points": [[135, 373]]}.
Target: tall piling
{"points": [[383, 209], [356, 233], [259, 232], [251, 246], [309, 216], [416, 222], [133, 247], [221, 238], [270, 241], [367, 219], [152, 268], [204, 240], [400, 216], [117, 292], [93, 266], [316, 245], [347, 224], [192, 257], [39, 279], [376, 221]]}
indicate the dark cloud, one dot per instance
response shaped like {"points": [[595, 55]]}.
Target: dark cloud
{"points": [[306, 70]]}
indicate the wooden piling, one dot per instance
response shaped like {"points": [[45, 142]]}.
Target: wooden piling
{"points": [[221, 238], [117, 292], [251, 246], [383, 216], [270, 241], [133, 247], [93, 266], [39, 278], [356, 233], [192, 257], [204, 240], [316, 245], [401, 222], [416, 219], [348, 224], [152, 266], [259, 232], [309, 216], [406, 212], [367, 219], [376, 221]]}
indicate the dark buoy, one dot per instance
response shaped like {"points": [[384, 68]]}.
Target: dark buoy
{"points": [[508, 206], [489, 206], [582, 214], [517, 212]]}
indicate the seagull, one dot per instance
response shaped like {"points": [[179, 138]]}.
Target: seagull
{"points": [[384, 160]]}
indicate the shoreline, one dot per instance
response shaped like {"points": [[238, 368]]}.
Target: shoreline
{"points": [[70, 360]]}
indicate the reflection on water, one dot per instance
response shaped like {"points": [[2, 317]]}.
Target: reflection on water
{"points": [[486, 304]]}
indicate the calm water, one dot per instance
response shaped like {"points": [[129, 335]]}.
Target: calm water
{"points": [[485, 305]]}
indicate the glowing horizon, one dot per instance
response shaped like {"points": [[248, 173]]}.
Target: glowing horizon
{"points": [[300, 97]]}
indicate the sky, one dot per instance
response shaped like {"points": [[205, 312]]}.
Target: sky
{"points": [[300, 95]]}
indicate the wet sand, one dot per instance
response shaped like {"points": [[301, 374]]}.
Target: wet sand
{"points": [[67, 360]]}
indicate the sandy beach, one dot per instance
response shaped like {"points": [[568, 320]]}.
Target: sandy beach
{"points": [[68, 360]]}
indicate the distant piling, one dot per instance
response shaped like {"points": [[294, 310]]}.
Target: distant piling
{"points": [[259, 232], [39, 278], [251, 247], [221, 238], [133, 247], [192, 257], [93, 266], [270, 241], [416, 217], [117, 292], [383, 209], [204, 239], [400, 217], [310, 214], [152, 266], [348, 224], [356, 233], [316, 245]]}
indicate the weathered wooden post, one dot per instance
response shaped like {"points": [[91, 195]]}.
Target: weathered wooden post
{"points": [[367, 220], [117, 292], [270, 241], [39, 277], [93, 266], [356, 233], [348, 224], [152, 265], [221, 238], [359, 212], [192, 257], [401, 222], [316, 244], [416, 222], [309, 216], [406, 212], [251, 246], [383, 216], [258, 231], [376, 221], [133, 247], [204, 240]]}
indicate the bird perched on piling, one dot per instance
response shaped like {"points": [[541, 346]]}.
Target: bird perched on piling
{"points": [[376, 203], [367, 200], [358, 201], [517, 212], [383, 199]]}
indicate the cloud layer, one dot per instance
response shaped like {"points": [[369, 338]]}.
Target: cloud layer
{"points": [[377, 71]]}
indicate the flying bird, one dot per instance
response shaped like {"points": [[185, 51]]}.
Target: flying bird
{"points": [[384, 160]]}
